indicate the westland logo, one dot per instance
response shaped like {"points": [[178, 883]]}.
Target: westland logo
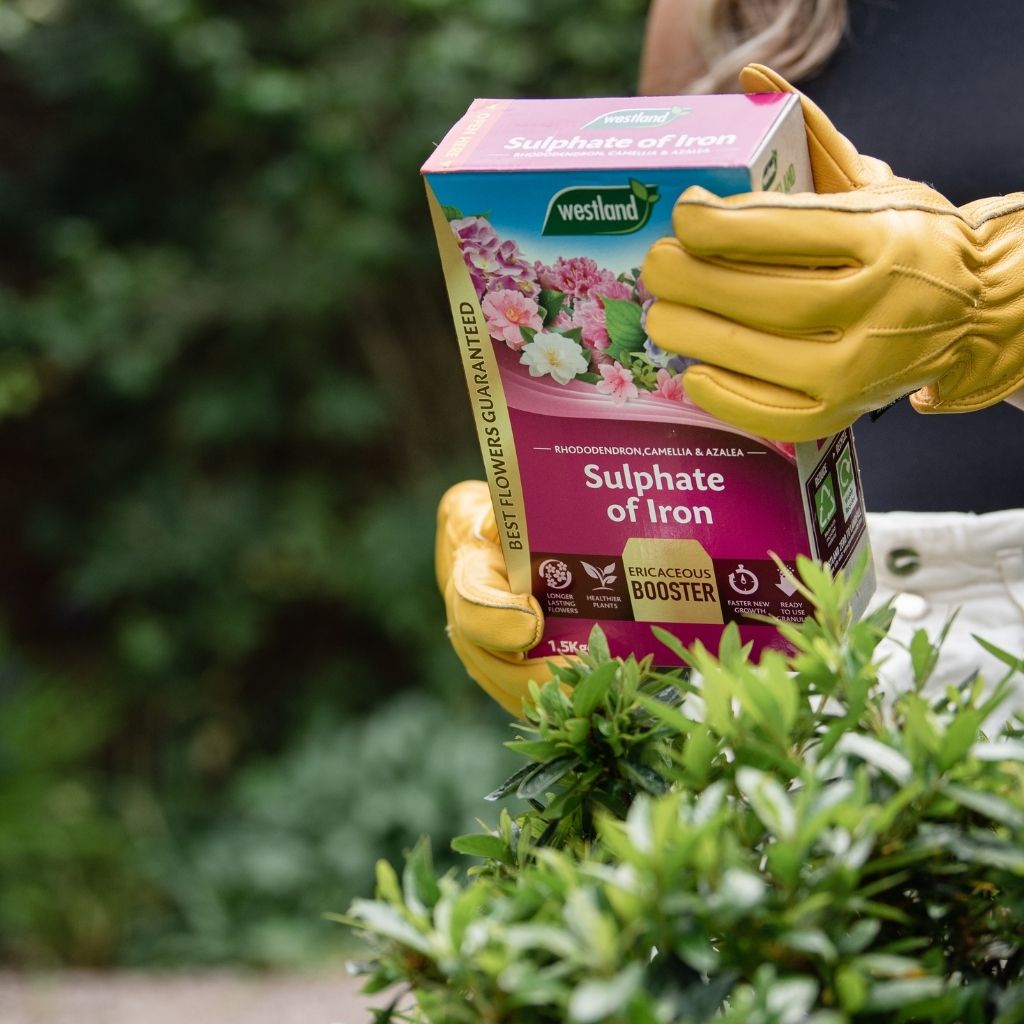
{"points": [[600, 209], [637, 117]]}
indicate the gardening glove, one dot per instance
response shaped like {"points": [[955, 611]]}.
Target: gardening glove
{"points": [[490, 627], [807, 310]]}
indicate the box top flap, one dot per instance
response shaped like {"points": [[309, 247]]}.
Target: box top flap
{"points": [[612, 133]]}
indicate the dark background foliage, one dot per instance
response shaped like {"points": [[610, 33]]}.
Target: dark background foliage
{"points": [[229, 400]]}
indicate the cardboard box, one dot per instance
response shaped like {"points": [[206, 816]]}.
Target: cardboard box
{"points": [[618, 501]]}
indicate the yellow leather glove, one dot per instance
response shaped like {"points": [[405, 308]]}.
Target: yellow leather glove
{"points": [[807, 310], [489, 626]]}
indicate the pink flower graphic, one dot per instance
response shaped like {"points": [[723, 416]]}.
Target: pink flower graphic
{"points": [[610, 287], [589, 317], [492, 263], [567, 330], [475, 234], [670, 386], [562, 321], [575, 276], [514, 271], [617, 382], [507, 310]]}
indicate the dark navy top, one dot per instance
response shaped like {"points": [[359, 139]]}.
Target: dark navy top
{"points": [[934, 88]]}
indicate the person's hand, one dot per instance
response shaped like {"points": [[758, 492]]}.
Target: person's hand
{"points": [[489, 626], [807, 310]]}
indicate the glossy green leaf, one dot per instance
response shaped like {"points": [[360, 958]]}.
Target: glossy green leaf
{"points": [[488, 847], [546, 775], [593, 689]]}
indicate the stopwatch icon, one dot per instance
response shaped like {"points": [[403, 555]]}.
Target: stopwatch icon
{"points": [[742, 580]]}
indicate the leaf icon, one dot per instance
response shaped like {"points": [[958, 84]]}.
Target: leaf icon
{"points": [[608, 579], [609, 568], [591, 571]]}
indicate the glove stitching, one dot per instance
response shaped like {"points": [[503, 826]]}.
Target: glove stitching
{"points": [[900, 375], [717, 382], [999, 207], [825, 156], [892, 332], [936, 282], [813, 271], [980, 396], [825, 335], [994, 392], [469, 596], [503, 607], [811, 203], [994, 208]]}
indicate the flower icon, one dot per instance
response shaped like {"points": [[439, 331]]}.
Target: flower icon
{"points": [[555, 573]]}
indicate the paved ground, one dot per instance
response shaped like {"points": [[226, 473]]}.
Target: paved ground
{"points": [[209, 998]]}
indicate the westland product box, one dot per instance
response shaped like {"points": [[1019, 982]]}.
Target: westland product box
{"points": [[618, 501]]}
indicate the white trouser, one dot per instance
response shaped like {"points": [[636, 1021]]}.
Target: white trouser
{"points": [[935, 564]]}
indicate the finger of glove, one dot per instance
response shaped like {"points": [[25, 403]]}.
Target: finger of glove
{"points": [[802, 230], [779, 299], [761, 408], [835, 162], [797, 365], [484, 608], [492, 675], [465, 510], [463, 513], [505, 679]]}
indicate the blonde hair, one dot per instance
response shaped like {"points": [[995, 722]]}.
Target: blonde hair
{"points": [[794, 37]]}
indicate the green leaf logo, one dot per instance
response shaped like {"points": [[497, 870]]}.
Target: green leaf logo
{"points": [[635, 117]]}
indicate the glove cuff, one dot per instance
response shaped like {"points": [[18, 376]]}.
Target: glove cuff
{"points": [[993, 365]]}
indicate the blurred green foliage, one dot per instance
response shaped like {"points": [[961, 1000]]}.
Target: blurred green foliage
{"points": [[229, 400], [98, 868]]}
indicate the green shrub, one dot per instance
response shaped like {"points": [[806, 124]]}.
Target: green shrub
{"points": [[771, 844]]}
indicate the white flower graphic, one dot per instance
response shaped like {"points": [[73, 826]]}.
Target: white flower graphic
{"points": [[555, 354]]}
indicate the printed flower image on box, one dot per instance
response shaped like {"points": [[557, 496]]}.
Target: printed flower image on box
{"points": [[619, 501], [571, 320]]}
